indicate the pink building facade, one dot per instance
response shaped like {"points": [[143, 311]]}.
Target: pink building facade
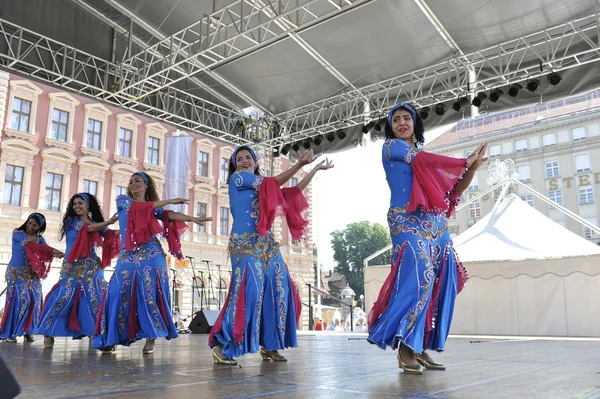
{"points": [[55, 144]]}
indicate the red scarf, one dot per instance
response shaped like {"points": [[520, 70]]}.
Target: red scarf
{"points": [[275, 202], [84, 244], [40, 257], [434, 178], [173, 230], [141, 225], [110, 247]]}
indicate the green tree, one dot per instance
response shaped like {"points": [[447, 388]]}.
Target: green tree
{"points": [[353, 244]]}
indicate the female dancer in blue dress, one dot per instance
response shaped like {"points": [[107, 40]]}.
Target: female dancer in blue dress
{"points": [[414, 309], [29, 262], [71, 307], [137, 303], [259, 309]]}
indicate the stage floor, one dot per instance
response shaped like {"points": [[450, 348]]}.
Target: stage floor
{"points": [[326, 365]]}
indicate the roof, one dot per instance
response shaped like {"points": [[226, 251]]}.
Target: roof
{"points": [[509, 122], [316, 66], [514, 230]]}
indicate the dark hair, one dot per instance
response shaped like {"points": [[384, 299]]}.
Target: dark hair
{"points": [[418, 128], [23, 227], [232, 168], [93, 207], [151, 194]]}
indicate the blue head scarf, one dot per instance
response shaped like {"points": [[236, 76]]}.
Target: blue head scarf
{"points": [[86, 198], [407, 107], [143, 176], [252, 152]]}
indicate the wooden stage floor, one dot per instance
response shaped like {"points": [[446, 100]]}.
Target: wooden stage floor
{"points": [[326, 365]]}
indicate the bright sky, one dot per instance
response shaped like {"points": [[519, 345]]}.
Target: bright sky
{"points": [[354, 190]]}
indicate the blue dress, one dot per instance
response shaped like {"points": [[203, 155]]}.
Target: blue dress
{"points": [[24, 291], [269, 314], [427, 264], [137, 303], [81, 284]]}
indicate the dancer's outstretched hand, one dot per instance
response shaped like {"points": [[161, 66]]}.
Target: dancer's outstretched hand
{"points": [[324, 164], [477, 158], [306, 157], [201, 220], [177, 201]]}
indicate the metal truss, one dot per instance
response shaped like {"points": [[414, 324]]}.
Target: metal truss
{"points": [[30, 53], [555, 49], [227, 34]]}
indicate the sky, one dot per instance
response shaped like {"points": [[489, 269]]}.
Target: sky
{"points": [[353, 191]]}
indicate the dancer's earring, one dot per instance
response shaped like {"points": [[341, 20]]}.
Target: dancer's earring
{"points": [[414, 138]]}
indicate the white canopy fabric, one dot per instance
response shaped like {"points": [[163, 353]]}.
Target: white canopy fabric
{"points": [[514, 230]]}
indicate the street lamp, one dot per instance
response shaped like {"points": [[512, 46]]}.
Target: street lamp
{"points": [[362, 302]]}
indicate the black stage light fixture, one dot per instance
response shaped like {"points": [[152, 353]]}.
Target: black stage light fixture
{"points": [[364, 129], [461, 102], [306, 144], [479, 99], [440, 109], [514, 90], [377, 127], [330, 137], [495, 95], [286, 148], [424, 112], [276, 151], [296, 147], [554, 78], [532, 85], [318, 140], [341, 134]]}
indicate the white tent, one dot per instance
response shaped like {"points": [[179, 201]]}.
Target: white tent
{"points": [[528, 276], [514, 230]]}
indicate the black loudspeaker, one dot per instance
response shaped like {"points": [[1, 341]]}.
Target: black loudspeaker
{"points": [[203, 321], [10, 387]]}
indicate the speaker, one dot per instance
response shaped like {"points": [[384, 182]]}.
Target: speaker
{"points": [[10, 387], [203, 321]]}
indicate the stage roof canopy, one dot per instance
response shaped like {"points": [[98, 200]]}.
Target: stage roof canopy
{"points": [[311, 67]]}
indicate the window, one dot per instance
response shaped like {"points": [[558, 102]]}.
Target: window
{"points": [[124, 149], [21, 112], [548, 139], [202, 164], [582, 163], [495, 150], [53, 191], [578, 133], [474, 185], [121, 190], [224, 170], [556, 196], [60, 125], [293, 182], [224, 221], [528, 198], [589, 233], [475, 210], [153, 150], [94, 134], [524, 173], [521, 145], [552, 169], [586, 195], [201, 212], [90, 186], [13, 185], [453, 216]]}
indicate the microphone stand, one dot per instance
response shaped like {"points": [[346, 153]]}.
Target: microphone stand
{"points": [[194, 288], [211, 288], [220, 287]]}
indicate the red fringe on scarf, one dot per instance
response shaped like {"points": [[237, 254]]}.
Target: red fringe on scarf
{"points": [[141, 225], [84, 244], [110, 247], [173, 230], [40, 257]]}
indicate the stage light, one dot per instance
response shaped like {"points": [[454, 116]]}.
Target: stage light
{"points": [[341, 135], [377, 127], [364, 129], [306, 144], [318, 140], [286, 148], [276, 151], [424, 113], [296, 147], [554, 78], [330, 137], [514, 90], [532, 85], [495, 95], [440, 109], [461, 102], [479, 99]]}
